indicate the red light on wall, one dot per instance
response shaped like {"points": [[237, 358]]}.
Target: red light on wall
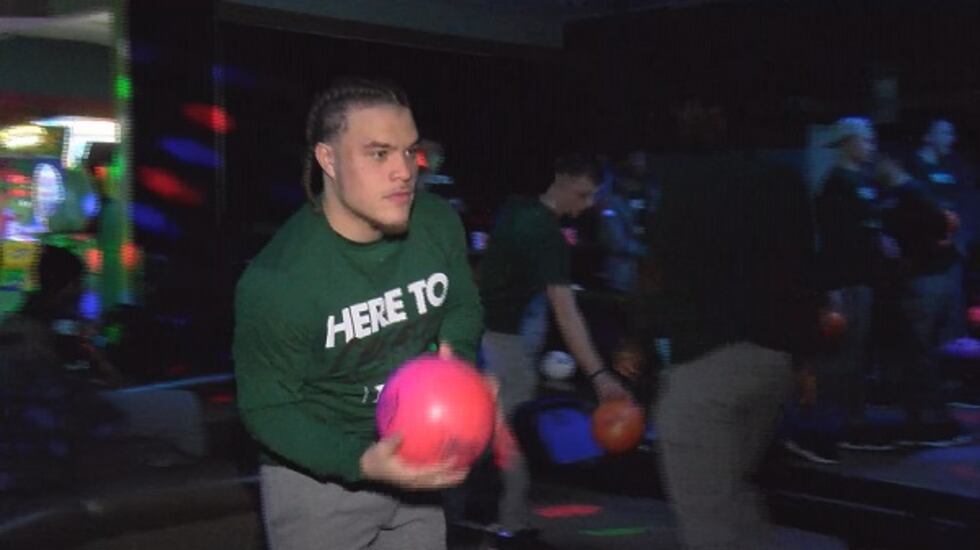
{"points": [[20, 193], [16, 178], [210, 116], [130, 255], [169, 186], [421, 160], [93, 259]]}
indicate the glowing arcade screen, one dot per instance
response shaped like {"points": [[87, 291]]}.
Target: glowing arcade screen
{"points": [[31, 141], [43, 186], [43, 201]]}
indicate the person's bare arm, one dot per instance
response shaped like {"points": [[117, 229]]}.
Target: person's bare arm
{"points": [[574, 331]]}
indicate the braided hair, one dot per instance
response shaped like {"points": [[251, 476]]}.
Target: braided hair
{"points": [[328, 118]]}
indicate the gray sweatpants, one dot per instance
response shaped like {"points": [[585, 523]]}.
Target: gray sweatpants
{"points": [[715, 416], [511, 358], [511, 361], [302, 513]]}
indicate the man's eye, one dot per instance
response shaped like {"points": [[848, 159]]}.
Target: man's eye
{"points": [[380, 154]]}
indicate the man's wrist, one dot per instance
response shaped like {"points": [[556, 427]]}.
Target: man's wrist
{"points": [[595, 374]]}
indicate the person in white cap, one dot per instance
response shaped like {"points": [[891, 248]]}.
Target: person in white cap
{"points": [[851, 250]]}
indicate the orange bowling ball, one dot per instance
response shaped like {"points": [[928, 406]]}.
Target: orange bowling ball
{"points": [[833, 325], [973, 316], [618, 426]]}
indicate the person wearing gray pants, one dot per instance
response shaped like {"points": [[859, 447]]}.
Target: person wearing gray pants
{"points": [[370, 275], [524, 276], [733, 244], [715, 417], [298, 510]]}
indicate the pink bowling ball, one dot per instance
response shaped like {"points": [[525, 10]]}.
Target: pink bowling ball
{"points": [[443, 409]]}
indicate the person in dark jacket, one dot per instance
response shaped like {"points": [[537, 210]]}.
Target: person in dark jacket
{"points": [[851, 252], [733, 244], [951, 183], [925, 302]]}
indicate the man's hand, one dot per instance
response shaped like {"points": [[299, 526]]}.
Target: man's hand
{"points": [[380, 462], [445, 351], [503, 444], [628, 361]]}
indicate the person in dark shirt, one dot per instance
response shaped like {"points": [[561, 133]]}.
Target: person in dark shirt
{"points": [[949, 182], [525, 277], [934, 162], [51, 408], [371, 273], [624, 216], [851, 252], [925, 302], [733, 242], [44, 411]]}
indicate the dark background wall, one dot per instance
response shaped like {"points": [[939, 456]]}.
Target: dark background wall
{"points": [[764, 70], [500, 118], [176, 202], [774, 67]]}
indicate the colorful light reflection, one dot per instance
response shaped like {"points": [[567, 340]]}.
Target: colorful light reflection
{"points": [[130, 255], [90, 306], [212, 117], [567, 510], [151, 219], [190, 151], [93, 260], [168, 186]]}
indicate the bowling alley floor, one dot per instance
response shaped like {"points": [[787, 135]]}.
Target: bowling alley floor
{"points": [[604, 505], [211, 506], [579, 519], [930, 495]]}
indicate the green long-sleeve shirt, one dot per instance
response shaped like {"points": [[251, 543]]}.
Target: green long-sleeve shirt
{"points": [[321, 322]]}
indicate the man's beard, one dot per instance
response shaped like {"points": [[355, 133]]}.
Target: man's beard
{"points": [[392, 229]]}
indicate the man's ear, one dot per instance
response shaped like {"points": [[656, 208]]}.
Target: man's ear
{"points": [[326, 157]]}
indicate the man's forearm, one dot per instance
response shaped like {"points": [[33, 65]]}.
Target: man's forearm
{"points": [[574, 331]]}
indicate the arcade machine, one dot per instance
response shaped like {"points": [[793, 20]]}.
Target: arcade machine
{"points": [[47, 197]]}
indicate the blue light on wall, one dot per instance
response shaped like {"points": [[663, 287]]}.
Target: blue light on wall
{"points": [[90, 205], [153, 220], [190, 151], [89, 305], [235, 76]]}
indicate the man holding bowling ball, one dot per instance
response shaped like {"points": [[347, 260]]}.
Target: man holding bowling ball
{"points": [[367, 276], [524, 276]]}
